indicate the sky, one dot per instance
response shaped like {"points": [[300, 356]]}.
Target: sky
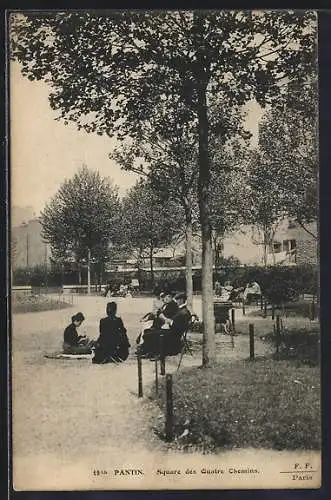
{"points": [[44, 151]]}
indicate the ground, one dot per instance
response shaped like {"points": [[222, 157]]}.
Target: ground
{"points": [[73, 419]]}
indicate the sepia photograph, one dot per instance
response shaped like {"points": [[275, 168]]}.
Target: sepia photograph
{"points": [[164, 247]]}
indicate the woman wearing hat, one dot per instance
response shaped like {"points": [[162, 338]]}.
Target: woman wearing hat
{"points": [[74, 343]]}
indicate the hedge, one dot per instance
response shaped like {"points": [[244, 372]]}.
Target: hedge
{"points": [[278, 283]]}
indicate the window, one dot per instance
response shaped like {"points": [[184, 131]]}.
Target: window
{"points": [[277, 247], [289, 245]]}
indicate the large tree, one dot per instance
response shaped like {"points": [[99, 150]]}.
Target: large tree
{"points": [[108, 72], [165, 153], [82, 218], [147, 223]]}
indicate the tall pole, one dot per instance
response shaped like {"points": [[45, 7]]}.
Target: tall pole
{"points": [[89, 271]]}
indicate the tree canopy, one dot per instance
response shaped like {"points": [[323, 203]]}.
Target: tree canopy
{"points": [[148, 223], [82, 216], [289, 147]]}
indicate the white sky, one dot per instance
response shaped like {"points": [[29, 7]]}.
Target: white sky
{"points": [[44, 152]]}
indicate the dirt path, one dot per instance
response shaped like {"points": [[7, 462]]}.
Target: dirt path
{"points": [[72, 418]]}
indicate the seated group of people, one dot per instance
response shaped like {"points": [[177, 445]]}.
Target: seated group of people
{"points": [[248, 293], [112, 345], [170, 318]]}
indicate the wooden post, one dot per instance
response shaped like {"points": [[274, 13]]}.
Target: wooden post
{"points": [[272, 311], [169, 409], [156, 378], [243, 304], [251, 341], [277, 333], [265, 308], [313, 310], [261, 302], [162, 355], [140, 378], [233, 320]]}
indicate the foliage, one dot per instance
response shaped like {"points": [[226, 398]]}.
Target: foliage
{"points": [[264, 206], [279, 284], [228, 191], [145, 59], [82, 215], [289, 145], [147, 222], [265, 404]]}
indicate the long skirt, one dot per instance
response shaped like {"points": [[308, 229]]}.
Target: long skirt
{"points": [[114, 354], [82, 348], [152, 343]]}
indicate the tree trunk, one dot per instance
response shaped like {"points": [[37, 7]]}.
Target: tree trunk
{"points": [[151, 265], [188, 263], [79, 273], [265, 249], [208, 352], [89, 271]]}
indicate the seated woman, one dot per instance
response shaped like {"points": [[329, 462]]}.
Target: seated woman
{"points": [[74, 343], [148, 319], [177, 326], [112, 345], [159, 320]]}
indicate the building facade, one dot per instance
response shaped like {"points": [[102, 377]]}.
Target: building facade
{"points": [[292, 245], [28, 247]]}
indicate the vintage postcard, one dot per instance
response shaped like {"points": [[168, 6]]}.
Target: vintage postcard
{"points": [[164, 250]]}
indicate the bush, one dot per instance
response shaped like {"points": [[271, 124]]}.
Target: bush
{"points": [[264, 404]]}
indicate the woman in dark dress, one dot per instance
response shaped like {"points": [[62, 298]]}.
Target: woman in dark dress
{"points": [[112, 345], [74, 343]]}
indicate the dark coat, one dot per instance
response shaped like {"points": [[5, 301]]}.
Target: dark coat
{"points": [[71, 336], [172, 337], [112, 342], [181, 321], [169, 310]]}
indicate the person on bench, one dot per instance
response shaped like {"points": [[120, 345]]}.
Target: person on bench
{"points": [[74, 343], [167, 309], [177, 326], [112, 345]]}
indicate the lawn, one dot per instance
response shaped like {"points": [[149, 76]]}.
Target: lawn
{"points": [[37, 303], [262, 404]]}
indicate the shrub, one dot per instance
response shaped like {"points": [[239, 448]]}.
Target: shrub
{"points": [[35, 303]]}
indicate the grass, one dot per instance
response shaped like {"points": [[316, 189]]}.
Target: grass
{"points": [[36, 303], [299, 344], [261, 404]]}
